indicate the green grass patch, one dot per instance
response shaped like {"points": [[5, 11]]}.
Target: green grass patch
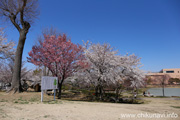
{"points": [[133, 101], [24, 102], [178, 107], [46, 116], [15, 101], [52, 102], [33, 100], [21, 101], [3, 100], [161, 96]]}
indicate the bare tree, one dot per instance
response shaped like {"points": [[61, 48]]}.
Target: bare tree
{"points": [[163, 81], [21, 13]]}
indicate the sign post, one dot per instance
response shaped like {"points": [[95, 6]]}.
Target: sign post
{"points": [[55, 83], [41, 95], [48, 83]]}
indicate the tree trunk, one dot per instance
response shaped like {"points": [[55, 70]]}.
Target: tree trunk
{"points": [[137, 92], [133, 94], [163, 90], [117, 93], [96, 91], [47, 72], [16, 79], [60, 87], [44, 71], [100, 93]]}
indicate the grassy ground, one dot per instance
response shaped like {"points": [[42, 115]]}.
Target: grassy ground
{"points": [[27, 106], [167, 86]]}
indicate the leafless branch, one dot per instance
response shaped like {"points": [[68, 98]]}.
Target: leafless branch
{"points": [[20, 12]]}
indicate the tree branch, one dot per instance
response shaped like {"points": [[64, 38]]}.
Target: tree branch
{"points": [[22, 13], [13, 20]]}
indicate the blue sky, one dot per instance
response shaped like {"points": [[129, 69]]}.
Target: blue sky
{"points": [[148, 28]]}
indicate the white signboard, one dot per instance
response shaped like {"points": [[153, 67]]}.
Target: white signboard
{"points": [[48, 83]]}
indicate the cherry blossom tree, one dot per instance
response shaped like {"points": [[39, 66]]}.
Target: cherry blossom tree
{"points": [[106, 68], [59, 55], [101, 61], [135, 78], [46, 31], [126, 74], [6, 71], [6, 55], [6, 48]]}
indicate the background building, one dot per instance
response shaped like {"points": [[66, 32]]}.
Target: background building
{"points": [[173, 76]]}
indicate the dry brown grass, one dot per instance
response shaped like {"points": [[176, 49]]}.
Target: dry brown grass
{"points": [[27, 105]]}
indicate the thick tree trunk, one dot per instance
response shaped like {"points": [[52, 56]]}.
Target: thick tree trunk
{"points": [[99, 92], [16, 79]]}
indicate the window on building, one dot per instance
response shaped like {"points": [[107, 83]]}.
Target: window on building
{"points": [[169, 71]]}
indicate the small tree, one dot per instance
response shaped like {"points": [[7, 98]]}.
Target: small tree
{"points": [[21, 14], [59, 55], [163, 81]]}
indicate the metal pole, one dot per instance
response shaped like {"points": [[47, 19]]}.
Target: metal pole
{"points": [[54, 93], [41, 95]]}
